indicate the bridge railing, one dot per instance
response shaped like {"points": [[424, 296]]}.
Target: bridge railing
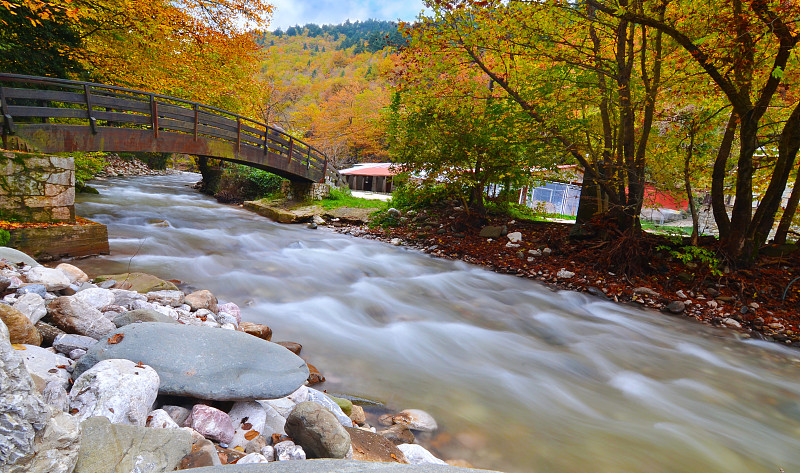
{"points": [[28, 99]]}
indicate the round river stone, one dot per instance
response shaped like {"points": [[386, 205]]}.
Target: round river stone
{"points": [[204, 362]]}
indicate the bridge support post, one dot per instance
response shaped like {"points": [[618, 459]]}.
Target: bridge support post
{"points": [[304, 191]]}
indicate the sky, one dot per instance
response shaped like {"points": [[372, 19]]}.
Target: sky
{"points": [[299, 12]]}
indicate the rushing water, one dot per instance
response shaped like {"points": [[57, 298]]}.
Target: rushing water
{"points": [[520, 378]]}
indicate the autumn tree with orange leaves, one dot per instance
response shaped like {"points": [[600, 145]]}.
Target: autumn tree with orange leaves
{"points": [[198, 49]]}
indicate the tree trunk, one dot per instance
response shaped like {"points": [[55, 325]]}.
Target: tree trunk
{"points": [[739, 245], [688, 186], [788, 213], [718, 208], [589, 205], [764, 218]]}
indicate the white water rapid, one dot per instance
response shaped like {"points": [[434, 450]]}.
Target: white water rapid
{"points": [[520, 378]]}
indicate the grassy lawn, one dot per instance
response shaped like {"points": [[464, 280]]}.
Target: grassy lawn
{"points": [[340, 198]]}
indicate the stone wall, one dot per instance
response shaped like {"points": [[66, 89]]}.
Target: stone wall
{"points": [[305, 190], [36, 188]]}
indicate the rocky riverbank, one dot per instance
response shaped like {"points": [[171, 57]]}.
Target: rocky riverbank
{"points": [[117, 167], [760, 302], [128, 370]]}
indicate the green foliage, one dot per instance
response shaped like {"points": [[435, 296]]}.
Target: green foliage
{"points": [[693, 254], [5, 237], [344, 198], [239, 183], [88, 165], [46, 49], [412, 195]]}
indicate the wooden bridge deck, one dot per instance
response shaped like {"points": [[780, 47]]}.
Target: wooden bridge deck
{"points": [[56, 115]]}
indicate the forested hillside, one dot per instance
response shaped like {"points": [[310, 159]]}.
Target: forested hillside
{"points": [[328, 83]]}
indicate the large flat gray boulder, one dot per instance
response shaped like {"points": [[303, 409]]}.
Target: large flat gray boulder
{"points": [[15, 256], [334, 466], [204, 362]]}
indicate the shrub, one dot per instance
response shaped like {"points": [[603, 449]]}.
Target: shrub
{"points": [[88, 165], [5, 237], [239, 183]]}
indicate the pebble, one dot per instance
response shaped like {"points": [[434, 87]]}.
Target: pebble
{"points": [[32, 289], [232, 309], [676, 307], [731, 323], [65, 343], [418, 455], [73, 273], [287, 450], [51, 279], [211, 423], [416, 419], [202, 299], [564, 274], [75, 316], [160, 419], [318, 431], [95, 297], [32, 305]]}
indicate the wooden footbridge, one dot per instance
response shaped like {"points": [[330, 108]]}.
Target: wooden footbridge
{"points": [[54, 115]]}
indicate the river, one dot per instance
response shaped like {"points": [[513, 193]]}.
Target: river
{"points": [[520, 378]]}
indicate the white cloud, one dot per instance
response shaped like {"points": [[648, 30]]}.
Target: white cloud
{"points": [[297, 12]]}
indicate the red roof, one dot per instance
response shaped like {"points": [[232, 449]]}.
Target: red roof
{"points": [[664, 200], [371, 169]]}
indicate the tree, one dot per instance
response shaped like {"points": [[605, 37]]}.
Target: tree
{"points": [[747, 51], [589, 85]]}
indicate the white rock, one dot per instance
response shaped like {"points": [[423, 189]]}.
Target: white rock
{"points": [[301, 394], [564, 274], [231, 309], [170, 298], [117, 389], [52, 279], [396, 241], [416, 419], [96, 297], [322, 399], [511, 245], [55, 395], [22, 409], [224, 318], [287, 450], [47, 365], [247, 414], [731, 323], [140, 304], [160, 419], [680, 294], [252, 458], [547, 252], [168, 311], [514, 237], [76, 354], [418, 455], [535, 252], [283, 406], [57, 446], [125, 298], [32, 305], [73, 273], [178, 413], [269, 453]]}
